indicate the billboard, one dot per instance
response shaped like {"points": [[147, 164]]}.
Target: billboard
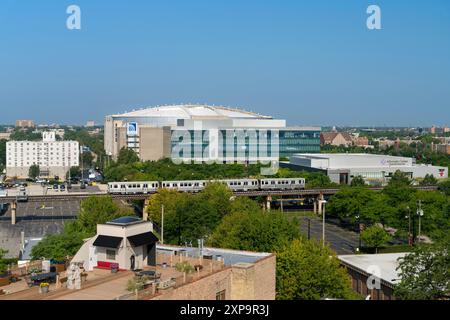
{"points": [[132, 129]]}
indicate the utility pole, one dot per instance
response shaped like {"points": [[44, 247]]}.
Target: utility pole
{"points": [[162, 224], [409, 226]]}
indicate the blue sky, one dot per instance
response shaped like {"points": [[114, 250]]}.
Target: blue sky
{"points": [[311, 62]]}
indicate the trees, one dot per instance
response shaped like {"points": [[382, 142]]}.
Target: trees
{"points": [[74, 172], [358, 181], [429, 180], [308, 271], [34, 171], [95, 210], [5, 262], [425, 273], [444, 187], [374, 237], [254, 231], [127, 156]]}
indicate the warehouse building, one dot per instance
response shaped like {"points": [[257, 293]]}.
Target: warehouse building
{"points": [[205, 133], [374, 168]]}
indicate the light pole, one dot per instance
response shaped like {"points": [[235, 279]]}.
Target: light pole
{"points": [[409, 225], [359, 229], [420, 214], [323, 220], [162, 224]]}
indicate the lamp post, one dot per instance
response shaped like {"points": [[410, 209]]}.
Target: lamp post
{"points": [[420, 214], [409, 225], [359, 231], [323, 220]]}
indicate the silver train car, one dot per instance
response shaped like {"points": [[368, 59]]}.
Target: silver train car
{"points": [[133, 187], [282, 183], [144, 187]]}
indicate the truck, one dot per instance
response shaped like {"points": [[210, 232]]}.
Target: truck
{"points": [[22, 196]]}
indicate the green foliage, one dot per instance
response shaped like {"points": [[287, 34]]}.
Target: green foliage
{"points": [[25, 135], [127, 156], [87, 158], [59, 246], [184, 267], [2, 153], [74, 172], [444, 187], [429, 180], [425, 273], [218, 195], [374, 237], [95, 210], [34, 171], [254, 231], [358, 181], [244, 204], [136, 283], [308, 271], [5, 262]]}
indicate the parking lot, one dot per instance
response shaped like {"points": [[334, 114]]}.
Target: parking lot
{"points": [[45, 210]]}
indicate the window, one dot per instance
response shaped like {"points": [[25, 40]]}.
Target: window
{"points": [[220, 295], [110, 254]]}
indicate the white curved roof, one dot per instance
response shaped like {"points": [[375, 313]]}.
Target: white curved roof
{"points": [[189, 111]]}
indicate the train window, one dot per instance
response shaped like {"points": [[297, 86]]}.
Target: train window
{"points": [[175, 185]]}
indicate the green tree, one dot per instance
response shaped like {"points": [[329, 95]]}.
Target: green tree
{"points": [[34, 171], [244, 204], [308, 271], [59, 246], [2, 152], [74, 172], [87, 159], [429, 180], [424, 274], [218, 195], [444, 187], [374, 237], [5, 262], [95, 210], [358, 181], [254, 231], [127, 156]]}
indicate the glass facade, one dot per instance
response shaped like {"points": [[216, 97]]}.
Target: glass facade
{"points": [[244, 144], [299, 141]]}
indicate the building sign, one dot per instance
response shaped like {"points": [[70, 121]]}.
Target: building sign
{"points": [[396, 162], [132, 129], [441, 172]]}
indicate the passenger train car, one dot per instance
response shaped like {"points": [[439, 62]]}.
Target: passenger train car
{"points": [[133, 187], [144, 187]]}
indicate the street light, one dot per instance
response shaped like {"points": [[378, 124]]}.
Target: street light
{"points": [[323, 220], [359, 229], [409, 225], [420, 214]]}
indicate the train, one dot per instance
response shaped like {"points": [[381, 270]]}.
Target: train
{"points": [[236, 185]]}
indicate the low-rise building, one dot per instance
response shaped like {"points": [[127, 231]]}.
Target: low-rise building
{"points": [[220, 274], [374, 168], [373, 275], [336, 139]]}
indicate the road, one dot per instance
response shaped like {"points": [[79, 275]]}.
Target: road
{"points": [[340, 240]]}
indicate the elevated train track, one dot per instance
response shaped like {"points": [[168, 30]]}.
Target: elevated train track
{"points": [[252, 193]]}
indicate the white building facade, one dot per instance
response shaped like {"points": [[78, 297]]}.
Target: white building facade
{"points": [[54, 158], [374, 168]]}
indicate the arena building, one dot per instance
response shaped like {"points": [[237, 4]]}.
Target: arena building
{"points": [[205, 133]]}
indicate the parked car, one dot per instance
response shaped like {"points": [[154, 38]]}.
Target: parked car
{"points": [[62, 187], [82, 185], [55, 187]]}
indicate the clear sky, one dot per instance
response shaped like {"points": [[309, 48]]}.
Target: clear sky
{"points": [[312, 62]]}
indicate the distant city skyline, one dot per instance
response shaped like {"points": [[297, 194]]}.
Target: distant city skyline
{"points": [[309, 62]]}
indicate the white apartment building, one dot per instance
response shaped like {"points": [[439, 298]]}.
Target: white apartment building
{"points": [[54, 158]]}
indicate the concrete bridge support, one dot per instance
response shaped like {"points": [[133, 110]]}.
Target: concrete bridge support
{"points": [[268, 201], [13, 212]]}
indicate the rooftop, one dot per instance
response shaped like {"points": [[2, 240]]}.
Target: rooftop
{"points": [[385, 263], [123, 221], [191, 111]]}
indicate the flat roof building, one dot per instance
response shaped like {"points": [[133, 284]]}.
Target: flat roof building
{"points": [[203, 133], [374, 168], [363, 268]]}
